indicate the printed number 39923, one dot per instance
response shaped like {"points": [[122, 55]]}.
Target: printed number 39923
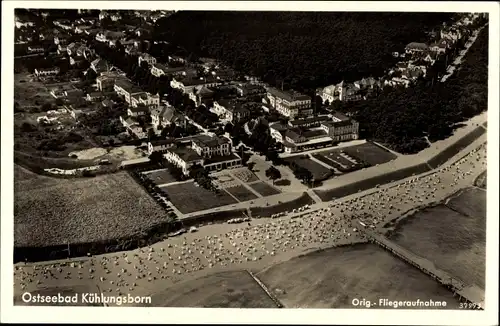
{"points": [[468, 305]]}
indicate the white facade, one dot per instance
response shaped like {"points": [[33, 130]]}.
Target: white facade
{"points": [[47, 72], [147, 58]]}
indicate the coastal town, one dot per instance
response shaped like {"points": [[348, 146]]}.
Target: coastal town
{"points": [[163, 167]]}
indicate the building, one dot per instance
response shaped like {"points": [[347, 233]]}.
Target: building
{"points": [[183, 157], [202, 95], [416, 47], [94, 96], [312, 133], [451, 33], [166, 115], [345, 91], [109, 36], [211, 152], [299, 139], [145, 57], [125, 88], [160, 145], [159, 70], [341, 128], [250, 89], [230, 110], [36, 49], [176, 59], [45, 72], [99, 66], [187, 85], [106, 81], [136, 111], [311, 122], [441, 46], [115, 17], [103, 15], [288, 103], [145, 99]]}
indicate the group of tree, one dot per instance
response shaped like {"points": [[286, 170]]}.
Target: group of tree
{"points": [[202, 177], [404, 118], [302, 50], [273, 173]]}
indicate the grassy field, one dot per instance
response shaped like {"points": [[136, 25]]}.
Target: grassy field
{"points": [[264, 189], [456, 243], [188, 198], [453, 150], [333, 278], [49, 211], [370, 153], [362, 185], [222, 290], [482, 180], [29, 93], [318, 171], [241, 193], [305, 199], [160, 177]]}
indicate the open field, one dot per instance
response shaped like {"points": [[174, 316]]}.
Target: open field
{"points": [[332, 278], [61, 211], [303, 200], [29, 92], [482, 180], [188, 198], [451, 151], [160, 177], [370, 153], [221, 290], [470, 202], [241, 193], [264, 189], [318, 171], [454, 242], [366, 184]]}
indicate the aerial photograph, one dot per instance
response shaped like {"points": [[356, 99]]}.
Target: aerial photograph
{"points": [[250, 159]]}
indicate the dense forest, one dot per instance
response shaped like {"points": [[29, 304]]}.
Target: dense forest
{"points": [[302, 50], [402, 118]]}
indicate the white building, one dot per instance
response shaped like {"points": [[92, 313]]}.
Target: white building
{"points": [[147, 58], [289, 103], [44, 72]]}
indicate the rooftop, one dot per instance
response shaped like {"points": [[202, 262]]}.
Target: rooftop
{"points": [[300, 122], [221, 158], [160, 142], [186, 154], [290, 95], [208, 141]]}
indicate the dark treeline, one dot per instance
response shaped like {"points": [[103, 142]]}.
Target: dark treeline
{"points": [[402, 117], [302, 50]]}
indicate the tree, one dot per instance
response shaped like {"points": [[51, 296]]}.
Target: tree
{"points": [[156, 157], [251, 165], [273, 173]]}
